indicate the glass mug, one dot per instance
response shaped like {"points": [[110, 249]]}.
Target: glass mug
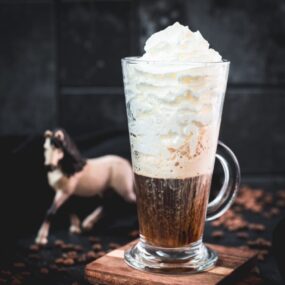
{"points": [[174, 112]]}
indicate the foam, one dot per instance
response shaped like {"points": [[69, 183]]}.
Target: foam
{"points": [[174, 107]]}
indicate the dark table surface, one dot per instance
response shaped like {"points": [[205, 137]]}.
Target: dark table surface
{"points": [[261, 201], [31, 266]]}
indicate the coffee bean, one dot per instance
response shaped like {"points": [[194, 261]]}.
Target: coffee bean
{"points": [[90, 255], [6, 272], [59, 243], [256, 227], [16, 281], [134, 234], [113, 245], [26, 273], [67, 247], [280, 204], [33, 256], [70, 254], [262, 254], [275, 211], [217, 234], [97, 247], [281, 194], [19, 264], [44, 270], [68, 261], [101, 253], [78, 248], [94, 239], [243, 235], [59, 261], [259, 243], [34, 248], [82, 258]]}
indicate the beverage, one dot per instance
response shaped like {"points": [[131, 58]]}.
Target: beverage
{"points": [[171, 210], [174, 97]]}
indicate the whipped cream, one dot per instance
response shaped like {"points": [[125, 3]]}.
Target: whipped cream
{"points": [[178, 43], [174, 95]]}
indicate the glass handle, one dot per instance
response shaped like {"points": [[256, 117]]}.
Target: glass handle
{"points": [[226, 196]]}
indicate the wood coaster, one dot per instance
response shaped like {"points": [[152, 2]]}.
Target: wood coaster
{"points": [[111, 269]]}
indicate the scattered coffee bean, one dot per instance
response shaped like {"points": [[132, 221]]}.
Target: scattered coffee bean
{"points": [[81, 258], [53, 267], [101, 253], [26, 273], [44, 270], [16, 281], [94, 239], [243, 235], [256, 227], [19, 264], [70, 254], [259, 243], [134, 234], [34, 247], [217, 234], [280, 203], [281, 194], [6, 272], [68, 261], [262, 255], [275, 211], [67, 247], [90, 255], [97, 247], [238, 209], [230, 221], [268, 199], [113, 245], [59, 243], [78, 247], [216, 223], [33, 256], [59, 261]]}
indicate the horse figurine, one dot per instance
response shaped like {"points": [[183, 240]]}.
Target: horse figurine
{"points": [[70, 174]]}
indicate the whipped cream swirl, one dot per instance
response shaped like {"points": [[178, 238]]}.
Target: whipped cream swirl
{"points": [[174, 94], [178, 43]]}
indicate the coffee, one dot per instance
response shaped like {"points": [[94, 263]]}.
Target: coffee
{"points": [[172, 212]]}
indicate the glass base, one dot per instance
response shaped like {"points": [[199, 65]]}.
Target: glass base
{"points": [[190, 259]]}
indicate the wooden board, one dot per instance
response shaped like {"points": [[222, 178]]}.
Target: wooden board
{"points": [[112, 270]]}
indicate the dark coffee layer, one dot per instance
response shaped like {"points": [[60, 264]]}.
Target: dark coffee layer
{"points": [[172, 212]]}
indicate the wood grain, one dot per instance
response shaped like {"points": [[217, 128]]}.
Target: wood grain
{"points": [[112, 270]]}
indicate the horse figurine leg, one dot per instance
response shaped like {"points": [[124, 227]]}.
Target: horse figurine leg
{"points": [[74, 224], [59, 199], [91, 219]]}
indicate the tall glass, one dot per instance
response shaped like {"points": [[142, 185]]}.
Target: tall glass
{"points": [[174, 112]]}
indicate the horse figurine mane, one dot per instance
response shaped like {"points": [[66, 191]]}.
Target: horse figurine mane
{"points": [[70, 174], [72, 161]]}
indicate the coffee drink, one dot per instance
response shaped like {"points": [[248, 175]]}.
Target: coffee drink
{"points": [[171, 211], [174, 97]]}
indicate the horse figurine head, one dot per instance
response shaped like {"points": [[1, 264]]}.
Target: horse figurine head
{"points": [[60, 152]]}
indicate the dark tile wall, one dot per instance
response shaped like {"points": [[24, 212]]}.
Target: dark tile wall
{"points": [[27, 67], [60, 63]]}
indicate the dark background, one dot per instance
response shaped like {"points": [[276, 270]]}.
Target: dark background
{"points": [[60, 66]]}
